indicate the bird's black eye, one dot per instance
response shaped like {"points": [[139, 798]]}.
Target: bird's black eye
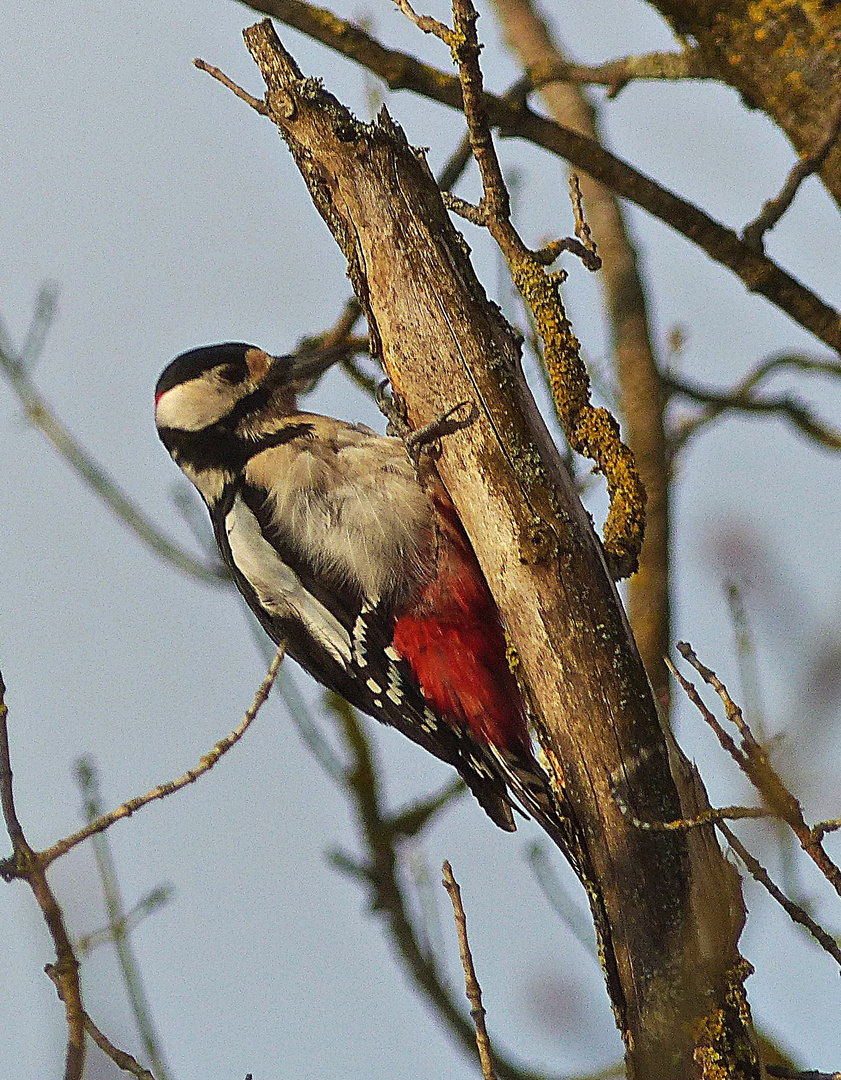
{"points": [[229, 373]]}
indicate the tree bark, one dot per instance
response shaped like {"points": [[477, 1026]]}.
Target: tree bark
{"points": [[671, 907], [640, 392]]}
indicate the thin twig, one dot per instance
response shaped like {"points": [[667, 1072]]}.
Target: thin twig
{"points": [[256, 103], [426, 23], [379, 871], [794, 911], [616, 74], [743, 400], [205, 764], [708, 817], [25, 864], [774, 209], [453, 169], [121, 1058], [582, 229], [753, 760], [476, 215], [471, 983], [820, 830]]}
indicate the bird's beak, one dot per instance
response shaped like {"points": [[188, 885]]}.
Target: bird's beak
{"points": [[309, 364], [258, 363]]}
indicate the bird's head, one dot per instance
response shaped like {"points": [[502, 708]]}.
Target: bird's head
{"points": [[215, 383], [221, 384]]}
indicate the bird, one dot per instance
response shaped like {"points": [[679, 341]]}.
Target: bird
{"points": [[363, 570]]}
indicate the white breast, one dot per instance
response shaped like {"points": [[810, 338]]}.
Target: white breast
{"points": [[350, 499], [278, 588]]}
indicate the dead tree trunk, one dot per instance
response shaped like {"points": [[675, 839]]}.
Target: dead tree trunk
{"points": [[670, 905]]}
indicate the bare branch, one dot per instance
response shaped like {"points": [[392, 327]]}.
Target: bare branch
{"points": [[426, 23], [379, 870], [471, 983], [476, 215], [205, 764], [742, 400], [121, 1058], [256, 103], [752, 759], [794, 911], [820, 830], [39, 327], [25, 864], [616, 74], [709, 817], [774, 209], [403, 71]]}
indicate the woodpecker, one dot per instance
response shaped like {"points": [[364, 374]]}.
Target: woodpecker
{"points": [[363, 571]]}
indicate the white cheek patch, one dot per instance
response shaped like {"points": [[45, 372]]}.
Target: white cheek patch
{"points": [[194, 405], [278, 588]]}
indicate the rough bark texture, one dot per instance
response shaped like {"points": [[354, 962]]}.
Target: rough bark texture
{"points": [[671, 902], [783, 56], [639, 381]]}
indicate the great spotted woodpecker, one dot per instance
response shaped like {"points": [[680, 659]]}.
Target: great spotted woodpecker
{"points": [[365, 573]]}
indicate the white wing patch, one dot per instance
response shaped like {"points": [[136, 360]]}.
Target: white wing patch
{"points": [[278, 587]]}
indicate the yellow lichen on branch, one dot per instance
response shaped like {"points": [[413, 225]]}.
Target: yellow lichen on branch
{"points": [[591, 431], [717, 1053]]}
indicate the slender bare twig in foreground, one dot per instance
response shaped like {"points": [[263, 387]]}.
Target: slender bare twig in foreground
{"points": [[753, 760], [121, 1058], [471, 983], [794, 911], [774, 209]]}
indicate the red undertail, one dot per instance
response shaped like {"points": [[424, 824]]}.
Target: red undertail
{"points": [[453, 640]]}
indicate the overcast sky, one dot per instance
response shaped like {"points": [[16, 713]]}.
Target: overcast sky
{"points": [[170, 215]]}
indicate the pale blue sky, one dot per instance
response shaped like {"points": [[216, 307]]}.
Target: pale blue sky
{"points": [[170, 216]]}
